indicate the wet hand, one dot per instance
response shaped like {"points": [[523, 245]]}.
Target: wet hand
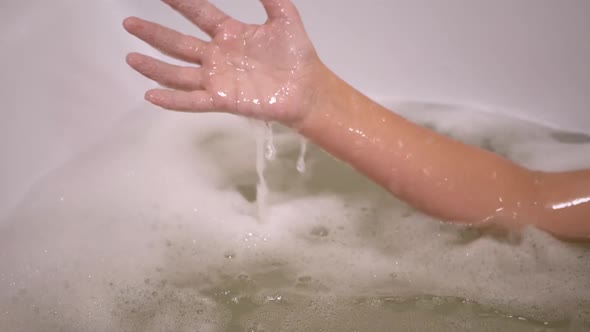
{"points": [[260, 71]]}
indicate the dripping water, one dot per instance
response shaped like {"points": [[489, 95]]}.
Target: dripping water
{"points": [[265, 151], [270, 152], [302, 152]]}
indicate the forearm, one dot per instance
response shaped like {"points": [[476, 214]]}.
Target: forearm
{"points": [[565, 198], [440, 176]]}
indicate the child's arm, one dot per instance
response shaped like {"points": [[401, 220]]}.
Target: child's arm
{"points": [[440, 176], [272, 72]]}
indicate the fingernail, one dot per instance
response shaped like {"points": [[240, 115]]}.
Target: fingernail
{"points": [[128, 22], [151, 96], [129, 58], [132, 59]]}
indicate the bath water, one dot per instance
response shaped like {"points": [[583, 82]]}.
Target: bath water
{"points": [[157, 229]]}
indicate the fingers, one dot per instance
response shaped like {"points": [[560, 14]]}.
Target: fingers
{"points": [[280, 9], [177, 77], [194, 101], [201, 12], [168, 41]]}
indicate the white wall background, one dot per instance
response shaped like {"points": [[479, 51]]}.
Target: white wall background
{"points": [[64, 81]]}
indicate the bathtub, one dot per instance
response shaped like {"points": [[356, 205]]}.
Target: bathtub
{"points": [[115, 215]]}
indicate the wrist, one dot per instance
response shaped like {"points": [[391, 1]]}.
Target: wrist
{"points": [[319, 99]]}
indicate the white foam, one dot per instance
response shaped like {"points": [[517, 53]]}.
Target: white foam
{"points": [[155, 229]]}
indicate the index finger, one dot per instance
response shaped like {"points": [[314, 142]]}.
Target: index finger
{"points": [[202, 13]]}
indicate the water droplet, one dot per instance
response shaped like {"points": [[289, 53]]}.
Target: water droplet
{"points": [[273, 298]]}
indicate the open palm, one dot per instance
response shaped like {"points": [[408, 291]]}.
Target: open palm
{"points": [[260, 71]]}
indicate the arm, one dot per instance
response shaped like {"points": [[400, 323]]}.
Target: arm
{"points": [[271, 72], [440, 176]]}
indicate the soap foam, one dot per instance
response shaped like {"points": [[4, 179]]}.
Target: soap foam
{"points": [[158, 228]]}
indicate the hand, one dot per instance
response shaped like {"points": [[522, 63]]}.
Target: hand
{"points": [[264, 71]]}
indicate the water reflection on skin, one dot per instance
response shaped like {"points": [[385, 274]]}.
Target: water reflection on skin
{"points": [[572, 203]]}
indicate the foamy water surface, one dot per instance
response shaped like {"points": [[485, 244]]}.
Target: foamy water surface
{"points": [[157, 229]]}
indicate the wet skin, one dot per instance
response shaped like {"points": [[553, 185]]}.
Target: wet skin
{"points": [[271, 72]]}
